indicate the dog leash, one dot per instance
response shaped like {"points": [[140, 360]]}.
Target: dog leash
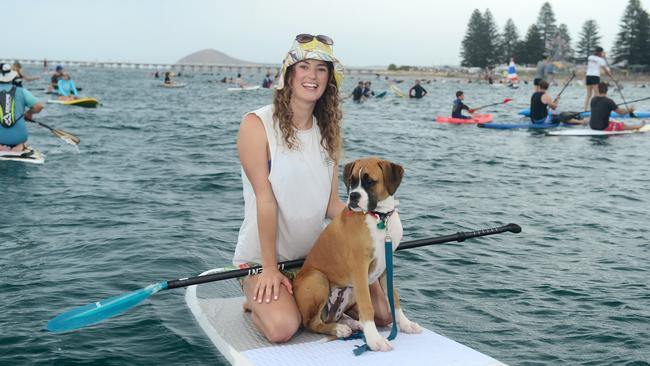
{"points": [[388, 254]]}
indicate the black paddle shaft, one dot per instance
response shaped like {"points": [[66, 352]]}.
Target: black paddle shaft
{"points": [[459, 236]]}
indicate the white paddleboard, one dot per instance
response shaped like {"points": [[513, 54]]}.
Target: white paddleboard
{"points": [[28, 155], [217, 307], [173, 85], [590, 132], [245, 88]]}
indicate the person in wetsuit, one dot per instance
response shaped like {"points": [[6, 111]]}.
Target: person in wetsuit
{"points": [[601, 109], [367, 92], [457, 110], [418, 89], [540, 102], [357, 93]]}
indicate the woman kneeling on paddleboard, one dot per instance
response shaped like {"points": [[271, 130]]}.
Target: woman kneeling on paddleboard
{"points": [[21, 103], [289, 153]]}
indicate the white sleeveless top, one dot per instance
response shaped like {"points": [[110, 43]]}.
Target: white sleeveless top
{"points": [[301, 179]]}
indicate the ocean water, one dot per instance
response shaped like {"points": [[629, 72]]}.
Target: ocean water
{"points": [[154, 193]]}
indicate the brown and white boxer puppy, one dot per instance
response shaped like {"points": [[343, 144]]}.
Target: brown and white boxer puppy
{"points": [[349, 255]]}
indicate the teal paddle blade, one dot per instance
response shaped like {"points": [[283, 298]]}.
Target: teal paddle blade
{"points": [[93, 313]]}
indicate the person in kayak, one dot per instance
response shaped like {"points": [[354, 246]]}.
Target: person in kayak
{"points": [[457, 109], [13, 131], [601, 109], [66, 88], [54, 79], [595, 63], [540, 102], [357, 93], [542, 70], [417, 91]]}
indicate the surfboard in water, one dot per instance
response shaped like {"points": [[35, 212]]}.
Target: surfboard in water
{"points": [[81, 102], [217, 307]]}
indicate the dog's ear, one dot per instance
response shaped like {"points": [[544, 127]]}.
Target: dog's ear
{"points": [[347, 174], [393, 174]]}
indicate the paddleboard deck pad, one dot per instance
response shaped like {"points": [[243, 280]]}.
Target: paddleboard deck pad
{"points": [[217, 307], [81, 102], [28, 155], [590, 132], [477, 118]]}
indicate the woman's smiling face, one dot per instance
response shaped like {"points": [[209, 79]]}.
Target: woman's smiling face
{"points": [[310, 78]]}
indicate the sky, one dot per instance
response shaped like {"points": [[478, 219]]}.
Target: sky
{"points": [[365, 33]]}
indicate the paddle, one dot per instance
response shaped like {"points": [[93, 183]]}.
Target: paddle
{"points": [[549, 115], [65, 136], [97, 311], [632, 101], [507, 100], [620, 91]]}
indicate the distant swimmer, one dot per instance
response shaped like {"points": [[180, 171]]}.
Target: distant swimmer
{"points": [[66, 88], [13, 131], [595, 63], [267, 82], [357, 93], [156, 74], [367, 92], [417, 91], [54, 80], [602, 107], [457, 110], [540, 102]]}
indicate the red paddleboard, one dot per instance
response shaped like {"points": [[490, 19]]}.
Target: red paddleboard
{"points": [[477, 118]]}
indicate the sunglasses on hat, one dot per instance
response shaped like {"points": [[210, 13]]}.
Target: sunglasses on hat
{"points": [[306, 38]]}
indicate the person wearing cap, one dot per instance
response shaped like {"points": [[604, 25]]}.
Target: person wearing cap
{"points": [[601, 109], [595, 63], [13, 131], [289, 153], [54, 80], [66, 88]]}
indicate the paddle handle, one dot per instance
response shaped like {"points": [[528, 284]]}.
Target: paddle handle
{"points": [[297, 263]]}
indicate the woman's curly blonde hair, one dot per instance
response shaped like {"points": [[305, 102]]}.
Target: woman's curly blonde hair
{"points": [[327, 112]]}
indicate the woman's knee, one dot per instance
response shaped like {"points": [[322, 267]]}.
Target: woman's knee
{"points": [[280, 328]]}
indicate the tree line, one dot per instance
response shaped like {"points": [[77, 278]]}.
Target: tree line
{"points": [[485, 45]]}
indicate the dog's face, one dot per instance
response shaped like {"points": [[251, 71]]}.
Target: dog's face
{"points": [[370, 181]]}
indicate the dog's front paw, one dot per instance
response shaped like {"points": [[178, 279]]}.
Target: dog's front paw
{"points": [[343, 330], [378, 343], [409, 327], [406, 325]]}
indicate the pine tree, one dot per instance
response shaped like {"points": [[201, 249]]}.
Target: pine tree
{"points": [[633, 40], [509, 42], [589, 39], [491, 39], [471, 47], [532, 47], [546, 24], [560, 46]]}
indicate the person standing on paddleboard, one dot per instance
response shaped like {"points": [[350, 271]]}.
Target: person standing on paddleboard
{"points": [[457, 109], [601, 109], [595, 63], [544, 68], [16, 103], [540, 102], [289, 153]]}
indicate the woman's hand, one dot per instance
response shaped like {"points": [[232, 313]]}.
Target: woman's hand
{"points": [[268, 285]]}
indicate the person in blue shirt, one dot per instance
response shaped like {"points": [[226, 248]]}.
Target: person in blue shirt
{"points": [[66, 88], [457, 111], [16, 104]]}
